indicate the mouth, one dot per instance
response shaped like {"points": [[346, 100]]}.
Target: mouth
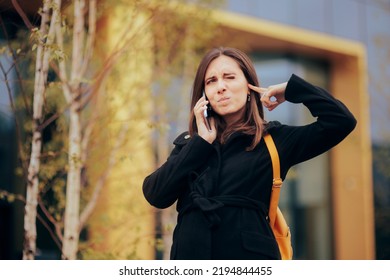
{"points": [[223, 99]]}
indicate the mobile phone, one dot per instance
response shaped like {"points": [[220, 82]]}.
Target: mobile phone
{"points": [[206, 114]]}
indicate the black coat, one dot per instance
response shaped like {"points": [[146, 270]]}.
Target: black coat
{"points": [[223, 191]]}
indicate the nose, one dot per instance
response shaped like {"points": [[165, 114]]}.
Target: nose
{"points": [[221, 86]]}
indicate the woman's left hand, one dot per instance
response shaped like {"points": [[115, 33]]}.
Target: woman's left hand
{"points": [[272, 96]]}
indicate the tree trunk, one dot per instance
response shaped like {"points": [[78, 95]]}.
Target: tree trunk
{"points": [[72, 215], [71, 227], [32, 191]]}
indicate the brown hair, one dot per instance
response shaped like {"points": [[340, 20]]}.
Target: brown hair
{"points": [[253, 123]]}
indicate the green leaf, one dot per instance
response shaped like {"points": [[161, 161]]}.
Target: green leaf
{"points": [[11, 198]]}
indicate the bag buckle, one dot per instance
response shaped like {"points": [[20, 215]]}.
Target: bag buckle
{"points": [[277, 182]]}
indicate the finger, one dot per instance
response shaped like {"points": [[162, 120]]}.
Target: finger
{"points": [[200, 100], [265, 98], [257, 89], [201, 104], [253, 87], [199, 113], [268, 101], [272, 105]]}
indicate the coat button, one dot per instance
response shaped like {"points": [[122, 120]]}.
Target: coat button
{"points": [[187, 136]]}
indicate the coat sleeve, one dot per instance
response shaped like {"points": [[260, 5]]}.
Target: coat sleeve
{"points": [[162, 188], [334, 122]]}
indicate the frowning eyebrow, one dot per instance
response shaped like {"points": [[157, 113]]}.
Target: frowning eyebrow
{"points": [[224, 75]]}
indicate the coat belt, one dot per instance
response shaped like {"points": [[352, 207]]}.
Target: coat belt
{"points": [[209, 205]]}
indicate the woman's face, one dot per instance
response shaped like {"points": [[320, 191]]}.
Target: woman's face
{"points": [[226, 88]]}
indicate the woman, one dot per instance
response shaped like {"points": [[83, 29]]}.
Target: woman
{"points": [[220, 173]]}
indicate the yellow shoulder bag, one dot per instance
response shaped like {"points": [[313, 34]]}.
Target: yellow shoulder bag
{"points": [[278, 223]]}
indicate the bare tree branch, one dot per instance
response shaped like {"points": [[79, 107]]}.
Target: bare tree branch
{"points": [[88, 51], [119, 49], [53, 236], [62, 74], [51, 219], [22, 14], [86, 213], [21, 198], [4, 193]]}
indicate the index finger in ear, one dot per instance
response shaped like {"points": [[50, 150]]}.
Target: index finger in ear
{"points": [[253, 87], [257, 89]]}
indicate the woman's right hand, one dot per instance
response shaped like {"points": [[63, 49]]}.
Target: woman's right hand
{"points": [[203, 131]]}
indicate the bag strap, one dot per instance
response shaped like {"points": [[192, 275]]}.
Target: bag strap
{"points": [[277, 181]]}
